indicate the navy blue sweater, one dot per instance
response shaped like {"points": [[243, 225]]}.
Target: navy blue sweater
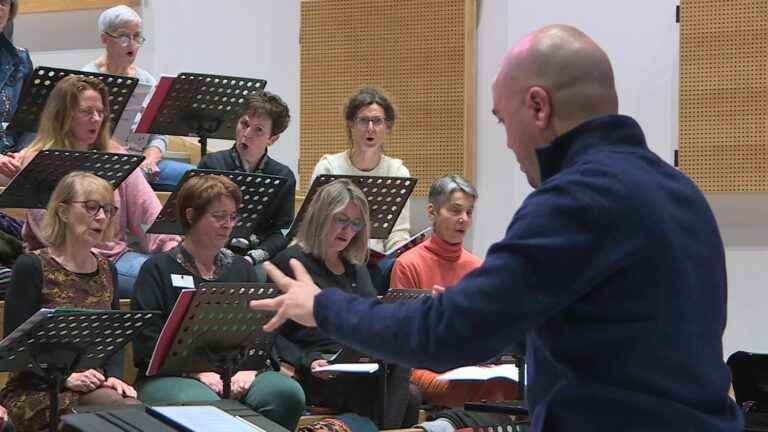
{"points": [[613, 271]]}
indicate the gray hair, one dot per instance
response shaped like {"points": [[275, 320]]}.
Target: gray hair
{"points": [[116, 17], [330, 200], [442, 189]]}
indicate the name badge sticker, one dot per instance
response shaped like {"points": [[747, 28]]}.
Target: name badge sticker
{"points": [[182, 281]]}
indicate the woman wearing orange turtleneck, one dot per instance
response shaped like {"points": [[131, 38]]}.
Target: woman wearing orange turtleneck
{"points": [[442, 260]]}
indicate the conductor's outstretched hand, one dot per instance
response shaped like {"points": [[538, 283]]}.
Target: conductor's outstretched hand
{"points": [[297, 301]]}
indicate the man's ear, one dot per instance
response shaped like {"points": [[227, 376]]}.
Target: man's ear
{"points": [[103, 38], [539, 105], [273, 139]]}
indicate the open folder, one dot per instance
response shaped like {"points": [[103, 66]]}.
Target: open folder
{"points": [[201, 419], [403, 247]]}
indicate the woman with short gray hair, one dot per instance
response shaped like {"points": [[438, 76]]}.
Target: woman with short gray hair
{"points": [[121, 33], [442, 261]]}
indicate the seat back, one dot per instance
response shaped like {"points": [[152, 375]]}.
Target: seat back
{"points": [[749, 373]]}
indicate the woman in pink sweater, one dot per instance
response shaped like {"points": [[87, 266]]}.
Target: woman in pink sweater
{"points": [[76, 118], [441, 261]]}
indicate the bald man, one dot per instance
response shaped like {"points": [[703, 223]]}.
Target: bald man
{"points": [[612, 270]]}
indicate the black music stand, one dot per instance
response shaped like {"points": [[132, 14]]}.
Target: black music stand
{"points": [[220, 333], [32, 187], [55, 342], [387, 196], [258, 190], [43, 79], [201, 105]]}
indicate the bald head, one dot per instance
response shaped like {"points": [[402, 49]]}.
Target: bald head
{"points": [[570, 66]]}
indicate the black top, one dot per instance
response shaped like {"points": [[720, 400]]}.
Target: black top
{"points": [[299, 345], [154, 290], [280, 216], [28, 294]]}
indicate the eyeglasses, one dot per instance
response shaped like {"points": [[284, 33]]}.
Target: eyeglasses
{"points": [[125, 40], [343, 222], [363, 122], [92, 207], [90, 112], [223, 217]]}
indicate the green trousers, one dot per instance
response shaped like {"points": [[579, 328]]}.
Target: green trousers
{"points": [[273, 395]]}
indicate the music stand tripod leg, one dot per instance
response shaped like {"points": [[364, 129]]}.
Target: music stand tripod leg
{"points": [[203, 140], [383, 390], [58, 364]]}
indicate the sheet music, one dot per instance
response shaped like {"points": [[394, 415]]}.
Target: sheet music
{"points": [[131, 115], [481, 373], [350, 367], [203, 419]]}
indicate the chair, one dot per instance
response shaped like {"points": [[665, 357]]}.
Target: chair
{"points": [[749, 372]]}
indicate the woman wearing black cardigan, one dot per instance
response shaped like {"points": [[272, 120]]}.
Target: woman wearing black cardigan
{"points": [[332, 244]]}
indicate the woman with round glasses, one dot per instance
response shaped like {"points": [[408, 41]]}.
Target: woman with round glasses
{"points": [[207, 209], [74, 119], [69, 273], [120, 28], [15, 68], [369, 117], [332, 244]]}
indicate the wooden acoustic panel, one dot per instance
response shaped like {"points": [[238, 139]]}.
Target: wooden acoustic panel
{"points": [[40, 6], [724, 94], [421, 52]]}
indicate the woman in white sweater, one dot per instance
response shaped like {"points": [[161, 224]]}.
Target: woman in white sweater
{"points": [[369, 117]]}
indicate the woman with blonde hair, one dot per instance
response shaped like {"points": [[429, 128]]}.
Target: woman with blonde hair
{"points": [[332, 244], [76, 117], [69, 273]]}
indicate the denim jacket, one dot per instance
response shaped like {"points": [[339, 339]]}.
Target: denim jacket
{"points": [[15, 68]]}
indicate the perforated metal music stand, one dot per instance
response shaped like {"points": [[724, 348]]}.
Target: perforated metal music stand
{"points": [[404, 294], [205, 106], [55, 342], [39, 85], [386, 197], [258, 190], [32, 187], [220, 333]]}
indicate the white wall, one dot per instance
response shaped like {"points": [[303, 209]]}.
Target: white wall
{"points": [[261, 39]]}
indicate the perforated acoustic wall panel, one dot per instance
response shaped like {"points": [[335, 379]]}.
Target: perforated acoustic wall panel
{"points": [[421, 52], [724, 94]]}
